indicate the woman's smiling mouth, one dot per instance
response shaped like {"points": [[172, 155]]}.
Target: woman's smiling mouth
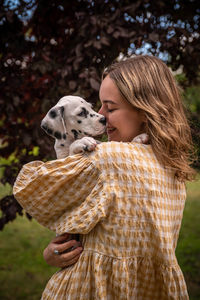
{"points": [[110, 129]]}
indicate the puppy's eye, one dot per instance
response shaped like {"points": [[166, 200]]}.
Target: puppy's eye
{"points": [[81, 114], [84, 112], [53, 113]]}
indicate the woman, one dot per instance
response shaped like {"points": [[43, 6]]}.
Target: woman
{"points": [[125, 199]]}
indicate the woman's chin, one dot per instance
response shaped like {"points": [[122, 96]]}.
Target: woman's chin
{"points": [[112, 137], [116, 138]]}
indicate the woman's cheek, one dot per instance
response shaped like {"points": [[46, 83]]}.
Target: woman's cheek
{"points": [[113, 116]]}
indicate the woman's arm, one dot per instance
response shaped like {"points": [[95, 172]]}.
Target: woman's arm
{"points": [[66, 256]]}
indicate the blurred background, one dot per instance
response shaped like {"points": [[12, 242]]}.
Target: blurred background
{"points": [[49, 49]]}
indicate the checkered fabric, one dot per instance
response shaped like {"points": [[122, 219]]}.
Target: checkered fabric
{"points": [[127, 209]]}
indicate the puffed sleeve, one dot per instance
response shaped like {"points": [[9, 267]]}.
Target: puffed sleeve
{"points": [[64, 195]]}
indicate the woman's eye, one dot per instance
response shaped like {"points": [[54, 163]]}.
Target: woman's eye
{"points": [[111, 110]]}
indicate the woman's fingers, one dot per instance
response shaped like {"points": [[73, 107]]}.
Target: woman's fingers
{"points": [[64, 260], [67, 246], [62, 252], [71, 258], [60, 238]]}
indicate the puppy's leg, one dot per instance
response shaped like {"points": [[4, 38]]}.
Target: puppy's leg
{"points": [[61, 148], [82, 145]]}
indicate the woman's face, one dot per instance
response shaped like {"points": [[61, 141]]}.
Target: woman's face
{"points": [[123, 121]]}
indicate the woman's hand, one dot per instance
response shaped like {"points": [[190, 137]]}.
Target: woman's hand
{"points": [[68, 251]]}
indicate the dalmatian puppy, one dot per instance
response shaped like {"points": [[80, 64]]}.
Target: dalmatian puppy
{"points": [[74, 124]]}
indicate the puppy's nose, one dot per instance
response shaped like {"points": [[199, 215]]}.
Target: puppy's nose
{"points": [[103, 120], [43, 125]]}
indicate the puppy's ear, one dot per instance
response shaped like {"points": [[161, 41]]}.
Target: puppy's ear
{"points": [[53, 123], [62, 110]]}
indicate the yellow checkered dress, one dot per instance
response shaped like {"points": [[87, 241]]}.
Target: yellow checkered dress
{"points": [[127, 209]]}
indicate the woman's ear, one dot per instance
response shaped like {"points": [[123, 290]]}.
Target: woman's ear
{"points": [[143, 117], [143, 121]]}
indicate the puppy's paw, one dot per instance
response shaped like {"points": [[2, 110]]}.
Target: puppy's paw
{"points": [[82, 145], [141, 138]]}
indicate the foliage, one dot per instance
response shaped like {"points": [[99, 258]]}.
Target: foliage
{"points": [[49, 49], [192, 102]]}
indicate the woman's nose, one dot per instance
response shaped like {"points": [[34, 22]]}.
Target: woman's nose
{"points": [[101, 112]]}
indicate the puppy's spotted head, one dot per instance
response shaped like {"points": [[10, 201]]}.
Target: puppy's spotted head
{"points": [[73, 116]]}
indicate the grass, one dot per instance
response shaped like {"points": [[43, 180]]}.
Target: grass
{"points": [[188, 248], [24, 273]]}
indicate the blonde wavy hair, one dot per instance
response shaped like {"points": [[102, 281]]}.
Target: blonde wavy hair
{"points": [[149, 85]]}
